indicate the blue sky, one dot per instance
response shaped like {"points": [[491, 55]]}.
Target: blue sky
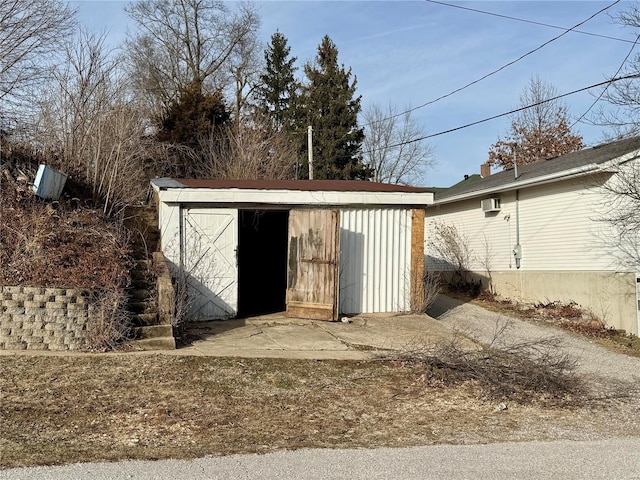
{"points": [[407, 53]]}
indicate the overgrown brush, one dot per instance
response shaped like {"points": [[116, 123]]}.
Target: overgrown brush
{"points": [[522, 371], [64, 244], [424, 294], [110, 321], [58, 244]]}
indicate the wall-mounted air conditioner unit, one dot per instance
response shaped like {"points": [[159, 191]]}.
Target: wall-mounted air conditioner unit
{"points": [[490, 205]]}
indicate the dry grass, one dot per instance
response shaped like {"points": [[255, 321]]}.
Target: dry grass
{"points": [[65, 409]]}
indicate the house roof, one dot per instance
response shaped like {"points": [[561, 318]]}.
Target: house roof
{"points": [[552, 169], [298, 185]]}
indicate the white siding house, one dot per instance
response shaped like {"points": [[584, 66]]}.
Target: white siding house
{"points": [[544, 237], [249, 247]]}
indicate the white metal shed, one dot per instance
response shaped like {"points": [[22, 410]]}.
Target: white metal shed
{"points": [[315, 248]]}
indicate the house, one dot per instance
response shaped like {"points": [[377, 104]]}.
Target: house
{"points": [[315, 248], [539, 233]]}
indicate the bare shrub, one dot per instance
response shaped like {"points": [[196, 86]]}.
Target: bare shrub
{"points": [[183, 302], [486, 260], [521, 371], [109, 323], [248, 151], [92, 127], [430, 289], [453, 250]]}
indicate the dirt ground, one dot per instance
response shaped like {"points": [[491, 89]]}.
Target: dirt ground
{"points": [[56, 410]]}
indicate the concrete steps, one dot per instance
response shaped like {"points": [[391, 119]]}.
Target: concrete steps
{"points": [[146, 333], [153, 337]]}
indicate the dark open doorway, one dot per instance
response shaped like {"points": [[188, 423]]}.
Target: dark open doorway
{"points": [[262, 261]]}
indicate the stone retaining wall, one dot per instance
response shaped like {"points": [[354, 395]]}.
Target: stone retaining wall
{"points": [[34, 318]]}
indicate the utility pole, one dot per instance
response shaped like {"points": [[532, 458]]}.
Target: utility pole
{"points": [[310, 148]]}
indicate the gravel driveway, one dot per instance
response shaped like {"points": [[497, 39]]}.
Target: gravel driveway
{"points": [[594, 361]]}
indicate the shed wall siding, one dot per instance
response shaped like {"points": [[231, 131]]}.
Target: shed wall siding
{"points": [[169, 222], [375, 260]]}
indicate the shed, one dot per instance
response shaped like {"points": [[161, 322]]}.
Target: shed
{"points": [[315, 248]]}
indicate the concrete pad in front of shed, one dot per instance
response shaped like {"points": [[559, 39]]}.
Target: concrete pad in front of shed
{"points": [[237, 333], [360, 337], [389, 331], [303, 336], [268, 336]]}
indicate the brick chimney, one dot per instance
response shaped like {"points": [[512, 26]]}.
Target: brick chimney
{"points": [[485, 170]]}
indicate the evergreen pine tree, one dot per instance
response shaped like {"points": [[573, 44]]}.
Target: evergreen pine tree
{"points": [[277, 91], [331, 108]]}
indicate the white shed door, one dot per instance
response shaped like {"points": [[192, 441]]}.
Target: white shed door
{"points": [[209, 258]]}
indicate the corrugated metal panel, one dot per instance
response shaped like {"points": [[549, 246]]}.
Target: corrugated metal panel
{"points": [[375, 260]]}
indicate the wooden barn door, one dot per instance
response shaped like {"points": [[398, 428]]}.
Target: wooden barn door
{"points": [[209, 260], [312, 282]]}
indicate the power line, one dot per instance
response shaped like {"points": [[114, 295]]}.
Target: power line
{"points": [[496, 70], [605, 88], [533, 22], [484, 120]]}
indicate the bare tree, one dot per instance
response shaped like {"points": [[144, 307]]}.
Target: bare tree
{"points": [[252, 151], [92, 126], [31, 32], [539, 132], [621, 115], [184, 42], [392, 147], [245, 67], [621, 211]]}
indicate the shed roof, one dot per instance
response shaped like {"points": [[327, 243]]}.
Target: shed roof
{"points": [[298, 185], [290, 192], [545, 170]]}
